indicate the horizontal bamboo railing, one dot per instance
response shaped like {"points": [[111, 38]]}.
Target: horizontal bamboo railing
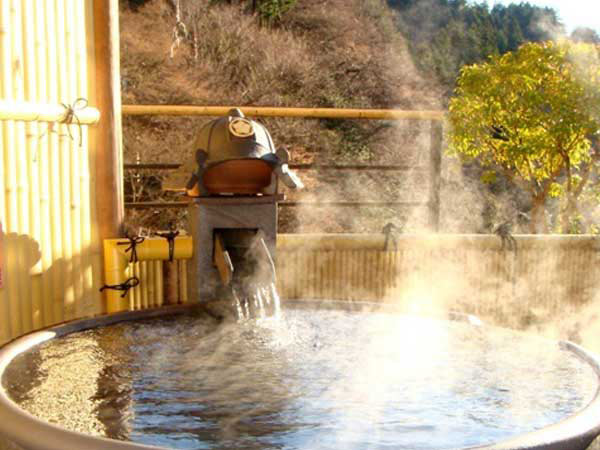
{"points": [[43, 112], [301, 166], [267, 111]]}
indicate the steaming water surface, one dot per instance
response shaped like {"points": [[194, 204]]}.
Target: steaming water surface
{"points": [[308, 379]]}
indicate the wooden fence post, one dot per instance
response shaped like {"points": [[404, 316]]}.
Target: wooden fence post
{"points": [[435, 169]]}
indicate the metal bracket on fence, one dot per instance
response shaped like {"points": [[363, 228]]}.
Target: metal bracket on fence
{"points": [[389, 230], [503, 231]]}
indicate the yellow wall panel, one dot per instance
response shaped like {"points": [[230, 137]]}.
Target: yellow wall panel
{"points": [[51, 265]]}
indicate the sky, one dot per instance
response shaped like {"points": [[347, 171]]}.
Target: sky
{"points": [[572, 13]]}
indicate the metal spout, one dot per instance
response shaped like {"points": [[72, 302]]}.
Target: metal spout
{"points": [[244, 255]]}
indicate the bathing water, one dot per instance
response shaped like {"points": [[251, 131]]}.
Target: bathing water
{"points": [[309, 378], [255, 300]]}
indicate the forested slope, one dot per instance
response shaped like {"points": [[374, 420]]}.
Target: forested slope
{"points": [[339, 53], [336, 53]]}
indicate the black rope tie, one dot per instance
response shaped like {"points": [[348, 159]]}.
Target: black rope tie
{"points": [[133, 242], [71, 113], [125, 286], [170, 237]]}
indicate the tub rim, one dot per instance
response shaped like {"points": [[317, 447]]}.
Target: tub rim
{"points": [[572, 433]]}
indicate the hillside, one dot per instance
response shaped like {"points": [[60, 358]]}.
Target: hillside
{"points": [[337, 53], [445, 35]]}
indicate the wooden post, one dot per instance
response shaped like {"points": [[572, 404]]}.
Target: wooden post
{"points": [[109, 157], [435, 169], [171, 282]]}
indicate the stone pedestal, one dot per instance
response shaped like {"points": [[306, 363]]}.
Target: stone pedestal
{"points": [[207, 214]]}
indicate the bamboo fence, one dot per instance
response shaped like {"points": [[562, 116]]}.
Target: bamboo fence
{"points": [[50, 263]]}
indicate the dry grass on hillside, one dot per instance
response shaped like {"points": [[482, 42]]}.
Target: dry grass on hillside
{"points": [[338, 53]]}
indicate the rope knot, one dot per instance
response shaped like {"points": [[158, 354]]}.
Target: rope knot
{"points": [[132, 242], [170, 237], [125, 286], [71, 113]]}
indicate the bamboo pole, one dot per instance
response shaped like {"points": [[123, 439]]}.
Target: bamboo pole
{"points": [[137, 291], [151, 274], [435, 169], [94, 148], [92, 252], [145, 283], [171, 282], [183, 282], [128, 304], [266, 111], [159, 286], [117, 268], [7, 181], [32, 133], [86, 304], [294, 274], [46, 243], [281, 270], [43, 211], [4, 321], [150, 284], [4, 310], [65, 162], [31, 111], [333, 274], [23, 303], [324, 274], [4, 41], [56, 208], [75, 146], [109, 160]]}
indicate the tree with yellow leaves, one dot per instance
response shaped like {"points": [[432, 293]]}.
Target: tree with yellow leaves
{"points": [[533, 115]]}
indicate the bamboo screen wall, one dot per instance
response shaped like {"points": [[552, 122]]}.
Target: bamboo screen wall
{"points": [[51, 266], [541, 278]]}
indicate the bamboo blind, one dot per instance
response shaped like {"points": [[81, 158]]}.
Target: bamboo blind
{"points": [[542, 278]]}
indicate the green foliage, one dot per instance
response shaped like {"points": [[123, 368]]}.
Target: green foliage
{"points": [[489, 177], [531, 114], [273, 10], [444, 35], [269, 11]]}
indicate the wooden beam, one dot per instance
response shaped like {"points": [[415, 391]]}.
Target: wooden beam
{"points": [[267, 111], [109, 158], [299, 166], [351, 204], [185, 204], [356, 167], [153, 166], [435, 174]]}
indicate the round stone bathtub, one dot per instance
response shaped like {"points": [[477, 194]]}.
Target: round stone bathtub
{"points": [[320, 375]]}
